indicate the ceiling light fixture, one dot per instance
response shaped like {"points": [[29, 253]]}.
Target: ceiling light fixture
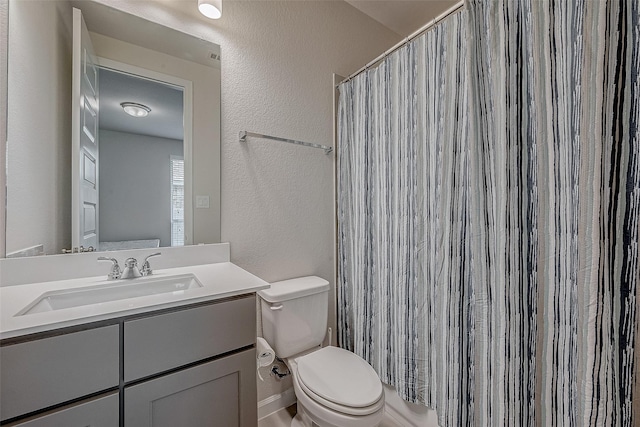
{"points": [[210, 8], [134, 109]]}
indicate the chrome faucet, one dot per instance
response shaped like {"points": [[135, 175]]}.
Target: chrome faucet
{"points": [[115, 272], [131, 270], [146, 267]]}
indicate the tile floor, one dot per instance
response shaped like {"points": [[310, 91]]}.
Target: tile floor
{"points": [[282, 418]]}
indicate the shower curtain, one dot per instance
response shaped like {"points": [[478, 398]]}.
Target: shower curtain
{"points": [[488, 214]]}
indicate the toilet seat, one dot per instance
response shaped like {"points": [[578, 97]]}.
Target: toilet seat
{"points": [[340, 380]]}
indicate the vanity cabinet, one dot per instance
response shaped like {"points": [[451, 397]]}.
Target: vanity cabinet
{"points": [[188, 366]]}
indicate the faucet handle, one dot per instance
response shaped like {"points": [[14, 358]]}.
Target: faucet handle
{"points": [[146, 267], [115, 272]]}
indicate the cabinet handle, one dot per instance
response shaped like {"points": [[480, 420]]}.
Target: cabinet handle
{"points": [[275, 307]]}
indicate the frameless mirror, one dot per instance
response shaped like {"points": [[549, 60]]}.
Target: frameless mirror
{"points": [[81, 171]]}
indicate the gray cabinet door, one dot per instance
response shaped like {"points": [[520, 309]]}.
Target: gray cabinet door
{"points": [[50, 371], [217, 393], [98, 412], [159, 343]]}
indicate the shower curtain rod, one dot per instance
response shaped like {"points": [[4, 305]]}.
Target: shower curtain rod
{"points": [[453, 9]]}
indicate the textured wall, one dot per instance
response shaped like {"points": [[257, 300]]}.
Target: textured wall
{"points": [[277, 199], [277, 63]]}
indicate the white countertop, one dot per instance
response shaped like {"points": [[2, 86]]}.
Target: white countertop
{"points": [[219, 280]]}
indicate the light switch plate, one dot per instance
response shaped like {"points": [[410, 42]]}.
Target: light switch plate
{"points": [[202, 202]]}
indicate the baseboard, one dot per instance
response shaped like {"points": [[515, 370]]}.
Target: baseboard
{"points": [[276, 402]]}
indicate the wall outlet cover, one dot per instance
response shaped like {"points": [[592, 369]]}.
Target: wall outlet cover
{"points": [[202, 202]]}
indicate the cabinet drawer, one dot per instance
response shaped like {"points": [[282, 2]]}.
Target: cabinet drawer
{"points": [[98, 412], [38, 374], [160, 343]]}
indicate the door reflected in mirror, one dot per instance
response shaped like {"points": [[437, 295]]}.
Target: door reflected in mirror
{"points": [[145, 176]]}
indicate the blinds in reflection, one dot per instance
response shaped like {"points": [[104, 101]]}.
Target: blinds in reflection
{"points": [[177, 201]]}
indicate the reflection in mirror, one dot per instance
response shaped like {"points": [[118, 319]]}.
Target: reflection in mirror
{"points": [[141, 182], [134, 209]]}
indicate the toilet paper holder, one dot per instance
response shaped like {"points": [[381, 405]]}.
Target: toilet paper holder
{"points": [[275, 369]]}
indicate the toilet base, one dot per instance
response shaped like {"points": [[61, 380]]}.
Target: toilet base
{"points": [[302, 419], [318, 416], [297, 422]]}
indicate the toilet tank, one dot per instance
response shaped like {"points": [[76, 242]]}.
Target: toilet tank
{"points": [[294, 314]]}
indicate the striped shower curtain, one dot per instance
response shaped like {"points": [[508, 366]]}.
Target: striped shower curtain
{"points": [[488, 214]]}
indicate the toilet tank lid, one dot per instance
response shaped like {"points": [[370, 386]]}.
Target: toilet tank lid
{"points": [[294, 288]]}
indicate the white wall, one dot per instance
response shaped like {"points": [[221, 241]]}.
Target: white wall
{"points": [[39, 109], [135, 186], [277, 63]]}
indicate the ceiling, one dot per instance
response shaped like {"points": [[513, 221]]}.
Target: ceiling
{"points": [[165, 101], [403, 16]]}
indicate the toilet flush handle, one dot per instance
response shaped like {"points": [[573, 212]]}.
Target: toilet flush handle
{"points": [[276, 307]]}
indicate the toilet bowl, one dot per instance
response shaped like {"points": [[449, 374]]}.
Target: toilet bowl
{"points": [[334, 387]]}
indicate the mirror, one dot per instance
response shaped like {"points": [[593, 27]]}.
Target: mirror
{"points": [[144, 172]]}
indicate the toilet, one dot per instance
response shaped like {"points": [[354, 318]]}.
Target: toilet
{"points": [[334, 387]]}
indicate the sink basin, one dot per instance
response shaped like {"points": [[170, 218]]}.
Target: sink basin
{"points": [[122, 289]]}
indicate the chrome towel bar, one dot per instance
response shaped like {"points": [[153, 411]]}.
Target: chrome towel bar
{"points": [[244, 134]]}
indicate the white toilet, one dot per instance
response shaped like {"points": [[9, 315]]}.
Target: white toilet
{"points": [[334, 387]]}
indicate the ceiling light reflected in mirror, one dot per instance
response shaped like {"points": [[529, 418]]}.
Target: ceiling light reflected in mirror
{"points": [[136, 110]]}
